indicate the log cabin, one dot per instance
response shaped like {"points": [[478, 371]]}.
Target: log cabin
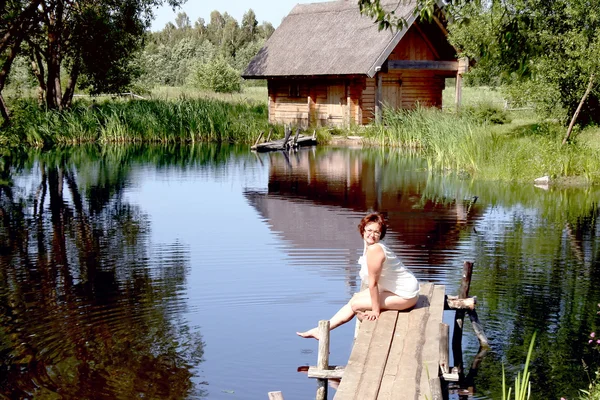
{"points": [[328, 65]]}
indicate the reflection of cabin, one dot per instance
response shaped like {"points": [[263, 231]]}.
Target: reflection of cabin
{"points": [[316, 200], [326, 64]]}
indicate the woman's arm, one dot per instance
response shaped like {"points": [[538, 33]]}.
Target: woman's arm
{"points": [[375, 259]]}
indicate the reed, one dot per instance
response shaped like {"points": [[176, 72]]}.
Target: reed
{"points": [[469, 147], [161, 121]]}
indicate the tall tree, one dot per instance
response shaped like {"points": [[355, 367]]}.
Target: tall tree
{"points": [[94, 41]]}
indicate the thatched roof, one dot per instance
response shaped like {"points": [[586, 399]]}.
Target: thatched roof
{"points": [[330, 38]]}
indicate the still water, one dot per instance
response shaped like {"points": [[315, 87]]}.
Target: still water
{"points": [[184, 272]]}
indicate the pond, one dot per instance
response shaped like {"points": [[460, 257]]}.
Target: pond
{"points": [[185, 271]]}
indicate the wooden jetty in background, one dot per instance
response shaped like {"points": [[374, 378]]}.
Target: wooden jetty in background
{"points": [[405, 354], [288, 142]]}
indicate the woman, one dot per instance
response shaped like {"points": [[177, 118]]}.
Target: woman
{"points": [[391, 285]]}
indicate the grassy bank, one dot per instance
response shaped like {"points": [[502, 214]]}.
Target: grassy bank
{"points": [[520, 151], [158, 120]]}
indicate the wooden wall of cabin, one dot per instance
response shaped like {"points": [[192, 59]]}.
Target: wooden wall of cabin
{"points": [[407, 88], [323, 102]]}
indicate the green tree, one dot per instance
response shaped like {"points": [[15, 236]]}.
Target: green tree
{"points": [[93, 41], [218, 76]]}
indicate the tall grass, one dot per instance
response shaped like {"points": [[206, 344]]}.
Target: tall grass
{"points": [[162, 121], [462, 144]]}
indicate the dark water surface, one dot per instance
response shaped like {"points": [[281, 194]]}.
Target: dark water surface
{"points": [[184, 272]]}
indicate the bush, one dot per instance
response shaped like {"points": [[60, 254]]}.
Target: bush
{"points": [[218, 76], [487, 113]]}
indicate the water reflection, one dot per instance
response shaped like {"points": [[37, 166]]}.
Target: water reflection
{"points": [[316, 197], [92, 305], [87, 307], [536, 251]]}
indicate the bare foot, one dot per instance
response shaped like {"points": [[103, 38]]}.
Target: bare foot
{"points": [[309, 334]]}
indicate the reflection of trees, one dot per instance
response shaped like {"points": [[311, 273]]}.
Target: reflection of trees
{"points": [[536, 252], [539, 271], [85, 310]]}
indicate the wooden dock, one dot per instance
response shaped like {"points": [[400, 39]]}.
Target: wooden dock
{"points": [[398, 355], [288, 142], [405, 354]]}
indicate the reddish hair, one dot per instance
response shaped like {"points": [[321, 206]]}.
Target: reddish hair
{"points": [[373, 217]]}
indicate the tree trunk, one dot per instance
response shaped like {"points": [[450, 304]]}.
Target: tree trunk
{"points": [[14, 50], [4, 111], [67, 99], [37, 67], [53, 87], [579, 107]]}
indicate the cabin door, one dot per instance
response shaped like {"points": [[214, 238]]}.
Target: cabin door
{"points": [[391, 92], [336, 99]]}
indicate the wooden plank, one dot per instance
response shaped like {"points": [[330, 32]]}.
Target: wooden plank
{"points": [[423, 64], [396, 349], [377, 355], [334, 372], [431, 347], [349, 385], [406, 370]]}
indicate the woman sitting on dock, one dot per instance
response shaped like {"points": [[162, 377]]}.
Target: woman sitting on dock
{"points": [[391, 285]]}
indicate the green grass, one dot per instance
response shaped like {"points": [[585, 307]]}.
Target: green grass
{"points": [[184, 120], [520, 151], [256, 94]]}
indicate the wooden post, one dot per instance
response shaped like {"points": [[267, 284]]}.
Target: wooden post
{"points": [[478, 329], [275, 396], [323, 358], [309, 104], [459, 317], [458, 91], [258, 138], [463, 66], [378, 97], [465, 283], [348, 111], [444, 351]]}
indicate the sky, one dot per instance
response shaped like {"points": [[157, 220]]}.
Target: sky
{"points": [[272, 11]]}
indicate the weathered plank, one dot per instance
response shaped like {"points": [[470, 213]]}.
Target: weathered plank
{"points": [[377, 354], [399, 344], [431, 347], [349, 385], [399, 354], [408, 375]]}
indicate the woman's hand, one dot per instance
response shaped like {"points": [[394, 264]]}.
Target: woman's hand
{"points": [[370, 315]]}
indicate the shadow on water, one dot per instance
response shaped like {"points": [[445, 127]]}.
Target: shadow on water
{"points": [[87, 308]]}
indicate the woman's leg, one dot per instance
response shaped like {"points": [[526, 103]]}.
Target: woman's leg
{"points": [[359, 303], [388, 301], [343, 315]]}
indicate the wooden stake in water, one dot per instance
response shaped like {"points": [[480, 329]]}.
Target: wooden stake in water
{"points": [[323, 358]]}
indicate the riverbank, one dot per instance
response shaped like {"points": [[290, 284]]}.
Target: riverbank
{"points": [[484, 141]]}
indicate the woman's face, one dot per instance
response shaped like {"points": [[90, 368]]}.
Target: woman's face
{"points": [[372, 233]]}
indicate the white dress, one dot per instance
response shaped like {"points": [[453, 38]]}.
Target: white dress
{"points": [[395, 277]]}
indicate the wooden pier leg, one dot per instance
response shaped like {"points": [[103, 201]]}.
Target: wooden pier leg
{"points": [[444, 351], [465, 283], [323, 358], [459, 318]]}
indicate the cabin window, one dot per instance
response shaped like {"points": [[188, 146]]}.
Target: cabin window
{"points": [[294, 90]]}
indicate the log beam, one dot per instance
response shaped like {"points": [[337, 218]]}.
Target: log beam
{"points": [[423, 64]]}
